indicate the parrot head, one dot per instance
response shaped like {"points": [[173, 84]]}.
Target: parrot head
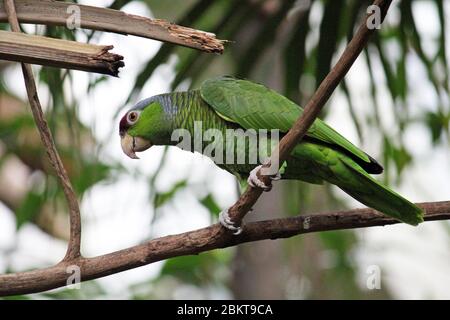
{"points": [[140, 127], [131, 144]]}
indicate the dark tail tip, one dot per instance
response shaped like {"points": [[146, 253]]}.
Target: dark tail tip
{"points": [[373, 166]]}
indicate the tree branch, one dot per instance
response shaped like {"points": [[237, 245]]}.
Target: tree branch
{"points": [[59, 53], [73, 250], [201, 240], [312, 109], [95, 18]]}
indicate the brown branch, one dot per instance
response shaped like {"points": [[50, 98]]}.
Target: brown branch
{"points": [[201, 240], [311, 112], [59, 53], [95, 18], [73, 250]]}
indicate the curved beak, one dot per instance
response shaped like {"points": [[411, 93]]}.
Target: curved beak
{"points": [[131, 145]]}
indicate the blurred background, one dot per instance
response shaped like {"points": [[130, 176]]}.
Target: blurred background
{"points": [[394, 104]]}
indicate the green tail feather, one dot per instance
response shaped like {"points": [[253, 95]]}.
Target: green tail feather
{"points": [[375, 195]]}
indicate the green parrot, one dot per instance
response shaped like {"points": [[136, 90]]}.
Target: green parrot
{"points": [[227, 103]]}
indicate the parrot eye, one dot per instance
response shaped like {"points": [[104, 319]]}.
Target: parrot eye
{"points": [[132, 117]]}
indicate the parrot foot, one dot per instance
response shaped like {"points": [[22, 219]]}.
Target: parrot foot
{"points": [[255, 182], [226, 222]]}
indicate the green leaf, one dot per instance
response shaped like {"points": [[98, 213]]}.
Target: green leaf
{"points": [[389, 74], [209, 203], [29, 208], [294, 57], [408, 23], [437, 123], [329, 32], [352, 110], [399, 155], [196, 269], [92, 173], [442, 42], [167, 49], [162, 198], [263, 39], [194, 61]]}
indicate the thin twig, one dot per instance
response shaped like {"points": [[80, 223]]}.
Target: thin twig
{"points": [[198, 241], [311, 112], [60, 13], [73, 250]]}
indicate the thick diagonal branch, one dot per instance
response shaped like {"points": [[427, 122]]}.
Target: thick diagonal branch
{"points": [[73, 251], [312, 110], [201, 240]]}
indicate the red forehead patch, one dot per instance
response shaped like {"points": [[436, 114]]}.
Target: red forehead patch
{"points": [[123, 125]]}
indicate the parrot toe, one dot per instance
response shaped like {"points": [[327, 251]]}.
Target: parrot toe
{"points": [[226, 222], [254, 181]]}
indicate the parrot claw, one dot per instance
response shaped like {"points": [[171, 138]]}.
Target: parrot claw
{"points": [[255, 182], [226, 222]]}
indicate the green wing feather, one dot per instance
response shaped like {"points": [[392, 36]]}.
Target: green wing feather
{"points": [[253, 105]]}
